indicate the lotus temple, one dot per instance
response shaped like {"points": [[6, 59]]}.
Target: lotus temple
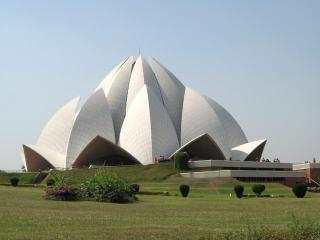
{"points": [[142, 114]]}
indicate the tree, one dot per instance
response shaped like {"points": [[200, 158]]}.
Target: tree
{"points": [[184, 190], [258, 189], [239, 189], [299, 190], [181, 161]]}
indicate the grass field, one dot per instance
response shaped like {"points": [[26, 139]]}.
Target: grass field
{"points": [[25, 178], [208, 211]]}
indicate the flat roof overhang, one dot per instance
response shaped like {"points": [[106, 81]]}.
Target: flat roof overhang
{"points": [[245, 173], [238, 164]]}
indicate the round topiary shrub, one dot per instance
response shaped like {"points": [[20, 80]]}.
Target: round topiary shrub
{"points": [[239, 189], [135, 188], [14, 181], [50, 182], [184, 190], [299, 190], [181, 161], [258, 189]]}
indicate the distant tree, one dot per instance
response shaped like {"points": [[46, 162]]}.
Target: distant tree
{"points": [[299, 190], [14, 181], [181, 161], [258, 189], [184, 190], [238, 189]]}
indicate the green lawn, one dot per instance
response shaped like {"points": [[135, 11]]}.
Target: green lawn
{"points": [[207, 212], [25, 178]]}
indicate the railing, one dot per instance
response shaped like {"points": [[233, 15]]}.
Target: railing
{"points": [[313, 181]]}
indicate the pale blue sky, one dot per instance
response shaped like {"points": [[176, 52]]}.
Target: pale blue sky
{"points": [[259, 59]]}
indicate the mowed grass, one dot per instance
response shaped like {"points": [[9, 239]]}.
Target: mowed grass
{"points": [[25, 178], [133, 173], [208, 211]]}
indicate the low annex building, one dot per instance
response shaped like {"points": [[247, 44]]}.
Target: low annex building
{"points": [[140, 112]]}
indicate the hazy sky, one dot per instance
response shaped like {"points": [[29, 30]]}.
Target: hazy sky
{"points": [[259, 59]]}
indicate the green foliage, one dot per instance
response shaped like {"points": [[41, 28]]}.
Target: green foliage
{"points": [[24, 178], [299, 190], [104, 187], [133, 173], [296, 230], [184, 190], [258, 189], [238, 189], [14, 181], [181, 161], [60, 181], [163, 215], [66, 193], [60, 188], [135, 188]]}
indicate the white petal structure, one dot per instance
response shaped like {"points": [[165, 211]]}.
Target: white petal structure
{"points": [[116, 90], [142, 75], [147, 131], [55, 135], [203, 147], [199, 118], [233, 132], [93, 119], [42, 158], [138, 113], [172, 91], [251, 151], [107, 81]]}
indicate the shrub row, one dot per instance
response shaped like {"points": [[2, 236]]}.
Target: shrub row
{"points": [[299, 190]]}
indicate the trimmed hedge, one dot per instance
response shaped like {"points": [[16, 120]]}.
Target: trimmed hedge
{"points": [[299, 190], [258, 189], [14, 181], [184, 190], [239, 189]]}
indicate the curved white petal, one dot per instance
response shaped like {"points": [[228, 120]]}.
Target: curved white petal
{"points": [[233, 132], [147, 131], [172, 92], [107, 81], [202, 147], [100, 147], [198, 118], [251, 151], [39, 158], [116, 94], [141, 75], [93, 119], [56, 134]]}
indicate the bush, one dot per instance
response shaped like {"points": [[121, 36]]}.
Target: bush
{"points": [[184, 190], [104, 187], [181, 161], [134, 188], [66, 193], [60, 188], [299, 190], [258, 189], [14, 181], [50, 182], [239, 189]]}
